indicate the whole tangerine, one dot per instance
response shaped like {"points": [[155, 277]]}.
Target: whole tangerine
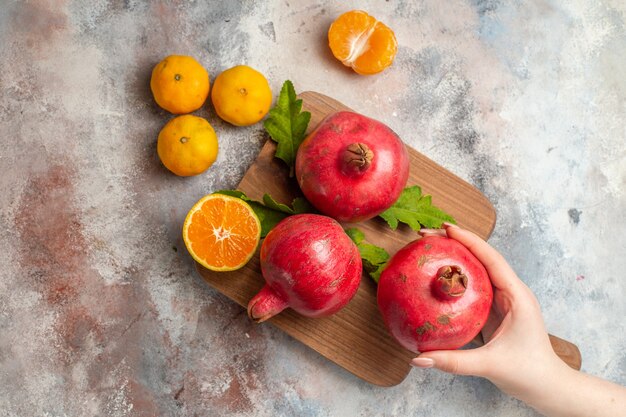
{"points": [[187, 145], [241, 96], [179, 84]]}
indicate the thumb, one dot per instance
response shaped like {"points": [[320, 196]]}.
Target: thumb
{"points": [[460, 362]]}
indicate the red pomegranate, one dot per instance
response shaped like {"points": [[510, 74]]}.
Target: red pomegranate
{"points": [[309, 264], [351, 167], [434, 294]]}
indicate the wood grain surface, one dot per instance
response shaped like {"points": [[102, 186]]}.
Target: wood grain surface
{"points": [[355, 338]]}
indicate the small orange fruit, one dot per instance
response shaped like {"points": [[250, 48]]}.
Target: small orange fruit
{"points": [[179, 84], [241, 96], [187, 145], [360, 41], [221, 232]]}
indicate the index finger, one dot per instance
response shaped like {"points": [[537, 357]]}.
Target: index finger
{"points": [[501, 274]]}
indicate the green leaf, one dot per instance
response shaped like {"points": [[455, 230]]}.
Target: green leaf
{"points": [[271, 203], [356, 235], [301, 205], [415, 210], [270, 212], [375, 274], [287, 125], [269, 218], [374, 257]]}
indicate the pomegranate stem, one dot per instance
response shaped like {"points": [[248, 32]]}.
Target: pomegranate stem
{"points": [[450, 283], [357, 157]]}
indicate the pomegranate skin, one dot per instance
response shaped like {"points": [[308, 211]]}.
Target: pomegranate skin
{"points": [[352, 185], [309, 264], [424, 312]]}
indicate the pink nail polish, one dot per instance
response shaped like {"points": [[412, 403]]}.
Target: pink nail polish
{"points": [[423, 362], [446, 225]]}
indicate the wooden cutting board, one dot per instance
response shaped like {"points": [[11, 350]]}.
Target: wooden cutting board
{"points": [[355, 338]]}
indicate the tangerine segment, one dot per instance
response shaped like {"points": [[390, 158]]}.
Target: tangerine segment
{"points": [[381, 51], [345, 32], [221, 232], [361, 42]]}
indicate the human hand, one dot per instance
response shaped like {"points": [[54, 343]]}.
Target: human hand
{"points": [[518, 357], [517, 353]]}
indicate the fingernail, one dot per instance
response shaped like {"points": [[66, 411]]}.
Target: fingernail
{"points": [[436, 232], [446, 225], [423, 362]]}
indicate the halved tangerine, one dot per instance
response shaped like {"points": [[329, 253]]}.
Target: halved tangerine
{"points": [[361, 42], [221, 232]]}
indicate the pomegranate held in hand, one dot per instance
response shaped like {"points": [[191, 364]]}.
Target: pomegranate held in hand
{"points": [[434, 294], [351, 167], [309, 264]]}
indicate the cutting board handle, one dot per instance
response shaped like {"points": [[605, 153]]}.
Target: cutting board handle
{"points": [[567, 351]]}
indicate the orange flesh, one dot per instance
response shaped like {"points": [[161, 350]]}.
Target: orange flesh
{"points": [[222, 234]]}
